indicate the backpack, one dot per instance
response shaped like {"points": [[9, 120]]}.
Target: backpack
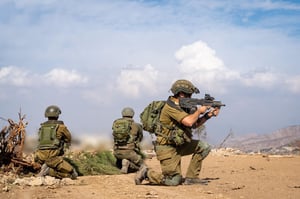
{"points": [[150, 116], [121, 130]]}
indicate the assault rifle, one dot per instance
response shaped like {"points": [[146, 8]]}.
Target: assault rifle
{"points": [[190, 104], [63, 146]]}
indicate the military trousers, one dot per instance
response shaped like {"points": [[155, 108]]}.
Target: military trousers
{"points": [[59, 168], [170, 162], [133, 155]]}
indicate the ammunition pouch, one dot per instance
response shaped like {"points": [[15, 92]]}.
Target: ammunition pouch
{"points": [[178, 137]]}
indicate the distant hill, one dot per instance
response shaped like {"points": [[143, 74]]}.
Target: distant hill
{"points": [[285, 137]]}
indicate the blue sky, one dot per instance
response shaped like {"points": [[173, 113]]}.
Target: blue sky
{"points": [[92, 58]]}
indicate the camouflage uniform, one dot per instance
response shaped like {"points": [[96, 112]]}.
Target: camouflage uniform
{"points": [[51, 155], [129, 156], [170, 155], [174, 140]]}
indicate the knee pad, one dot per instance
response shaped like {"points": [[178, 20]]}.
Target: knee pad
{"points": [[203, 149], [205, 152]]}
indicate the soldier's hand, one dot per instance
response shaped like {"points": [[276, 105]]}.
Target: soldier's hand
{"points": [[214, 112], [203, 109]]}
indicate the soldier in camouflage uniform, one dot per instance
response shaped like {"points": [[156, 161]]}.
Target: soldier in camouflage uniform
{"points": [[178, 124], [53, 136], [127, 150]]}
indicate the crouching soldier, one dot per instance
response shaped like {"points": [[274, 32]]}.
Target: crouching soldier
{"points": [[127, 136], [53, 135]]}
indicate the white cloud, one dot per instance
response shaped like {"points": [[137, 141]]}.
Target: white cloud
{"points": [[64, 78], [198, 57], [131, 82], [15, 76], [12, 75], [260, 79], [199, 63], [134, 81]]}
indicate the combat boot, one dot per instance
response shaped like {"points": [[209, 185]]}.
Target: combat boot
{"points": [[125, 165], [141, 174], [74, 175], [44, 170], [191, 181]]}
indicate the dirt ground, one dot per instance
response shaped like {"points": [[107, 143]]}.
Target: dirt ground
{"points": [[232, 176]]}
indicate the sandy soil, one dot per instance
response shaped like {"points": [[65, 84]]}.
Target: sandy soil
{"points": [[232, 176]]}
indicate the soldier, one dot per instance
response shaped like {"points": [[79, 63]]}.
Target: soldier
{"points": [[169, 149], [53, 136], [127, 136]]}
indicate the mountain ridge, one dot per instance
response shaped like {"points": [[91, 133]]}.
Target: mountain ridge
{"points": [[280, 138]]}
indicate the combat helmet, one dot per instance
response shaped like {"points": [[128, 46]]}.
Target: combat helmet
{"points": [[185, 86], [52, 111], [127, 112]]}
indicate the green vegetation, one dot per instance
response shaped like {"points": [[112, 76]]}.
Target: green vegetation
{"points": [[94, 163]]}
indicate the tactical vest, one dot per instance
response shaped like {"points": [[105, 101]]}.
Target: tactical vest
{"points": [[174, 133], [47, 136]]}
